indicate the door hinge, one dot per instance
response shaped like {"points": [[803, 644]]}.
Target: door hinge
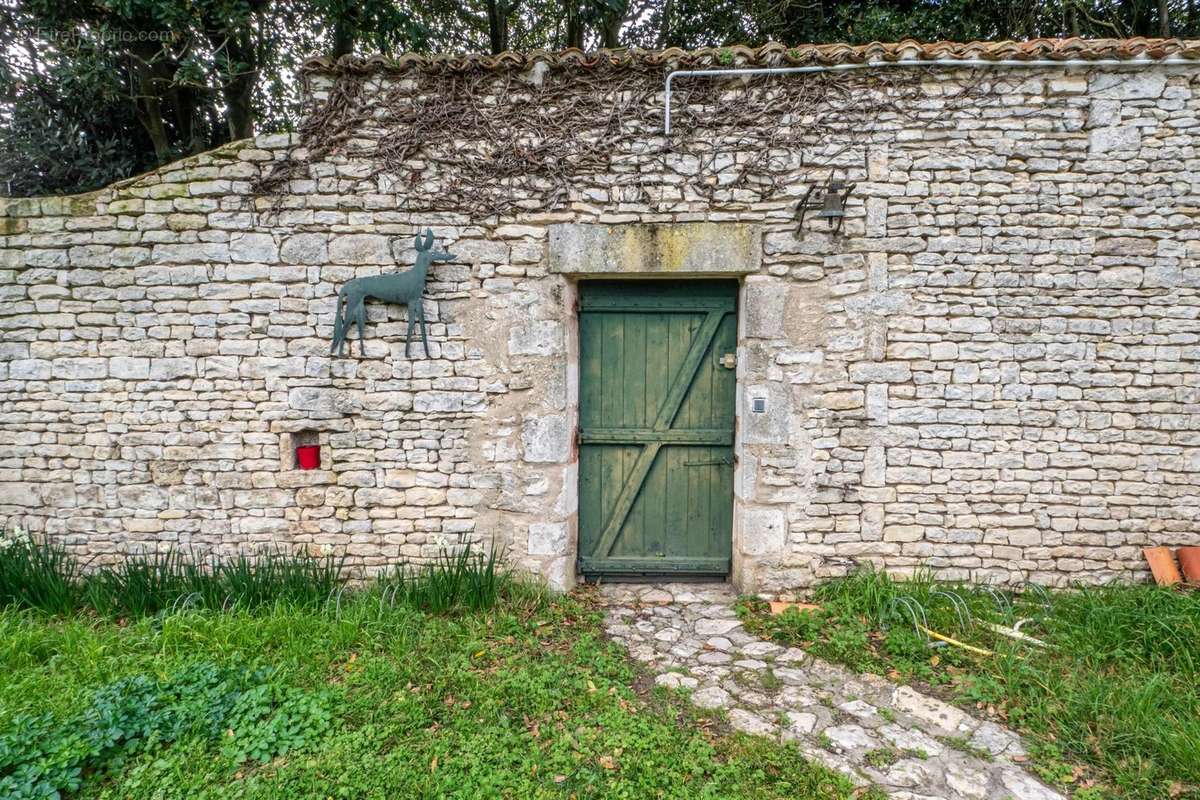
{"points": [[729, 360]]}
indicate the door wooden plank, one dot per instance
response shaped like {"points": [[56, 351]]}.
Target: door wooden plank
{"points": [[697, 520], [613, 464], [717, 479], [719, 498], [634, 392], [687, 370], [634, 564], [658, 383], [694, 536], [591, 487], [702, 437], [612, 352], [624, 500], [675, 501]]}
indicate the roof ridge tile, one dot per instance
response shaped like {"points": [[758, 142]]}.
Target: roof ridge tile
{"points": [[769, 54]]}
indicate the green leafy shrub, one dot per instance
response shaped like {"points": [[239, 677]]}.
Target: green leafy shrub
{"points": [[254, 717], [270, 720]]}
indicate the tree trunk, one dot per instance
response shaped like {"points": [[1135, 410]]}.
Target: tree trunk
{"points": [[214, 120], [239, 66], [1164, 19], [664, 26], [612, 25], [239, 109], [148, 109], [497, 11], [344, 35], [574, 25], [181, 113]]}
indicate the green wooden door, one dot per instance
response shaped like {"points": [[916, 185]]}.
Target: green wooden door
{"points": [[656, 417]]}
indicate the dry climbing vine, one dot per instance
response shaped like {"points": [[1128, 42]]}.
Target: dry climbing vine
{"points": [[325, 129], [487, 142]]}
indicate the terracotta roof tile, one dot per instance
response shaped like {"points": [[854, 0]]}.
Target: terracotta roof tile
{"points": [[773, 54]]}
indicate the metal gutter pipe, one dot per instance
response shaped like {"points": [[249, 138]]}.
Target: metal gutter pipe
{"points": [[973, 63]]}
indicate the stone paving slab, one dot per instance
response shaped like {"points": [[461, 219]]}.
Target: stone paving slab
{"points": [[875, 732]]}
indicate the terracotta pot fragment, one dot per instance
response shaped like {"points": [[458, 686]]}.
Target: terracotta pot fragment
{"points": [[1189, 562], [1162, 565]]}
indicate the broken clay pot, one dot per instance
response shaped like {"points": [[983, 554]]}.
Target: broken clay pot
{"points": [[1162, 565], [1189, 562]]}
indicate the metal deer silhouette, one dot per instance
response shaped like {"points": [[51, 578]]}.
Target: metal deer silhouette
{"points": [[391, 287]]}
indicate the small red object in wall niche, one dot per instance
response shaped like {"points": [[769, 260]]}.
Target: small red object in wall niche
{"points": [[308, 456]]}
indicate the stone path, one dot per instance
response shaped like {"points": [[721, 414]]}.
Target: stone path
{"points": [[912, 746]]}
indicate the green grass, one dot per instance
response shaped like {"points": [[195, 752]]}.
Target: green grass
{"points": [[963, 745], [882, 758], [455, 580], [366, 698], [40, 574], [1111, 708], [37, 574]]}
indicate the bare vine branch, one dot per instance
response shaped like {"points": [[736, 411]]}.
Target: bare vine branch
{"points": [[486, 143]]}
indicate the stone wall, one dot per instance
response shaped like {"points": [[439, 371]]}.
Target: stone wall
{"points": [[991, 371]]}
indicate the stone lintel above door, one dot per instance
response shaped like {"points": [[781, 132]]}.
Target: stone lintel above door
{"points": [[661, 249]]}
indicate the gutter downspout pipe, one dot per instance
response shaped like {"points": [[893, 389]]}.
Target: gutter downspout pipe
{"points": [[973, 63]]}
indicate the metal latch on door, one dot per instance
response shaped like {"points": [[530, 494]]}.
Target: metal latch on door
{"points": [[729, 360], [709, 462]]}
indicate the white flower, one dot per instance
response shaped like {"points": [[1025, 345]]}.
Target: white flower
{"points": [[8, 540], [327, 549]]}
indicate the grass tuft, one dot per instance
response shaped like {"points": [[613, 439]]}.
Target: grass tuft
{"points": [[149, 584], [37, 574], [40, 574], [454, 580]]}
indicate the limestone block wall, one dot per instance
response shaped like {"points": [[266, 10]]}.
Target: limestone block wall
{"points": [[991, 371]]}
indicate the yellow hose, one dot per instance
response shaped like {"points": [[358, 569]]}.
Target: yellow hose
{"points": [[943, 637]]}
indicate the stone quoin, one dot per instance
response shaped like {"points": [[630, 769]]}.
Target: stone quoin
{"points": [[991, 370]]}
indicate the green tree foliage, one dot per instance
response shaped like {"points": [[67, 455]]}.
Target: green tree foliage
{"points": [[190, 74], [68, 126], [697, 23], [91, 90]]}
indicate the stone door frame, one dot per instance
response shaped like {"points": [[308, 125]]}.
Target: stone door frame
{"points": [[687, 250]]}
